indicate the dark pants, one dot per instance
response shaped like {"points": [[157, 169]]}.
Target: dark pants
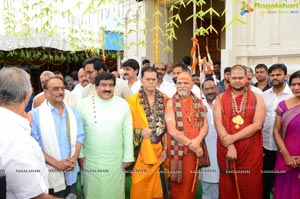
{"points": [[2, 185], [64, 193], [268, 172]]}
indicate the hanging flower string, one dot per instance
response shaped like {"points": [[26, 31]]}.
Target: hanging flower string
{"points": [[239, 113], [154, 114]]}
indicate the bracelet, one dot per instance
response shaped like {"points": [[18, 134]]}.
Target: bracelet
{"points": [[283, 149]]}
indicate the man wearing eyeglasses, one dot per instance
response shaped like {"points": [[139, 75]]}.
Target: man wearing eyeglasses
{"points": [[94, 66], [40, 98], [58, 129]]}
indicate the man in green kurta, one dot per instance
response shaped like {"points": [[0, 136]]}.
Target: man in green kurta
{"points": [[108, 147]]}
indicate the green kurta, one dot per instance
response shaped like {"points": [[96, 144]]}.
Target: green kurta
{"points": [[108, 143]]}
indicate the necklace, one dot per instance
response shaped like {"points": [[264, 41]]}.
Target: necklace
{"points": [[190, 113], [238, 113], [154, 113]]}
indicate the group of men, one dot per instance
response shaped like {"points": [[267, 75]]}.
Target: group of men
{"points": [[160, 135]]}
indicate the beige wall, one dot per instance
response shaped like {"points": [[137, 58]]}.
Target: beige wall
{"points": [[266, 38]]}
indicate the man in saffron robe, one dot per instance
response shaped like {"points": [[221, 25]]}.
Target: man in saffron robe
{"points": [[239, 114], [187, 126], [147, 109], [108, 147]]}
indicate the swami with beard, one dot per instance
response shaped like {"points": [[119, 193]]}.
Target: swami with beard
{"points": [[186, 126]]}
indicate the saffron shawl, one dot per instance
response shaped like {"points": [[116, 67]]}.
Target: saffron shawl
{"points": [[176, 148]]}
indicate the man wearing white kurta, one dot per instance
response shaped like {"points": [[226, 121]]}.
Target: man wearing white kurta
{"points": [[83, 82], [131, 71], [162, 85], [108, 147], [209, 176]]}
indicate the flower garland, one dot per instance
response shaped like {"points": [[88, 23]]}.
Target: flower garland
{"points": [[239, 113], [154, 114]]}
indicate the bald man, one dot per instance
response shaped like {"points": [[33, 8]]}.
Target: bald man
{"points": [[83, 82], [39, 98]]}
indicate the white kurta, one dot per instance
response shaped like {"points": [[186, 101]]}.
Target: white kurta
{"points": [[210, 174], [21, 158], [108, 143]]}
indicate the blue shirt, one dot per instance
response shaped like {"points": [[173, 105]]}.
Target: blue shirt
{"points": [[61, 131]]}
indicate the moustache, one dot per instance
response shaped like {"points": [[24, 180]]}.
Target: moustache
{"points": [[274, 81], [183, 89], [210, 94], [60, 95], [106, 91], [85, 81]]}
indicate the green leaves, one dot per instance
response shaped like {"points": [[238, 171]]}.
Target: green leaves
{"points": [[51, 55], [201, 31], [180, 2], [157, 13], [234, 20], [211, 12], [210, 28], [82, 30]]}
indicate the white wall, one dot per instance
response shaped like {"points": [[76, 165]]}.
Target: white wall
{"points": [[266, 38]]}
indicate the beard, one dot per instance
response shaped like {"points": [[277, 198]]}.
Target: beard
{"points": [[160, 76], [278, 85], [184, 92]]}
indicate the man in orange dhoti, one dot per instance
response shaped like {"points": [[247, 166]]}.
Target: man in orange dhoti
{"points": [[147, 109], [187, 126], [239, 115]]}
